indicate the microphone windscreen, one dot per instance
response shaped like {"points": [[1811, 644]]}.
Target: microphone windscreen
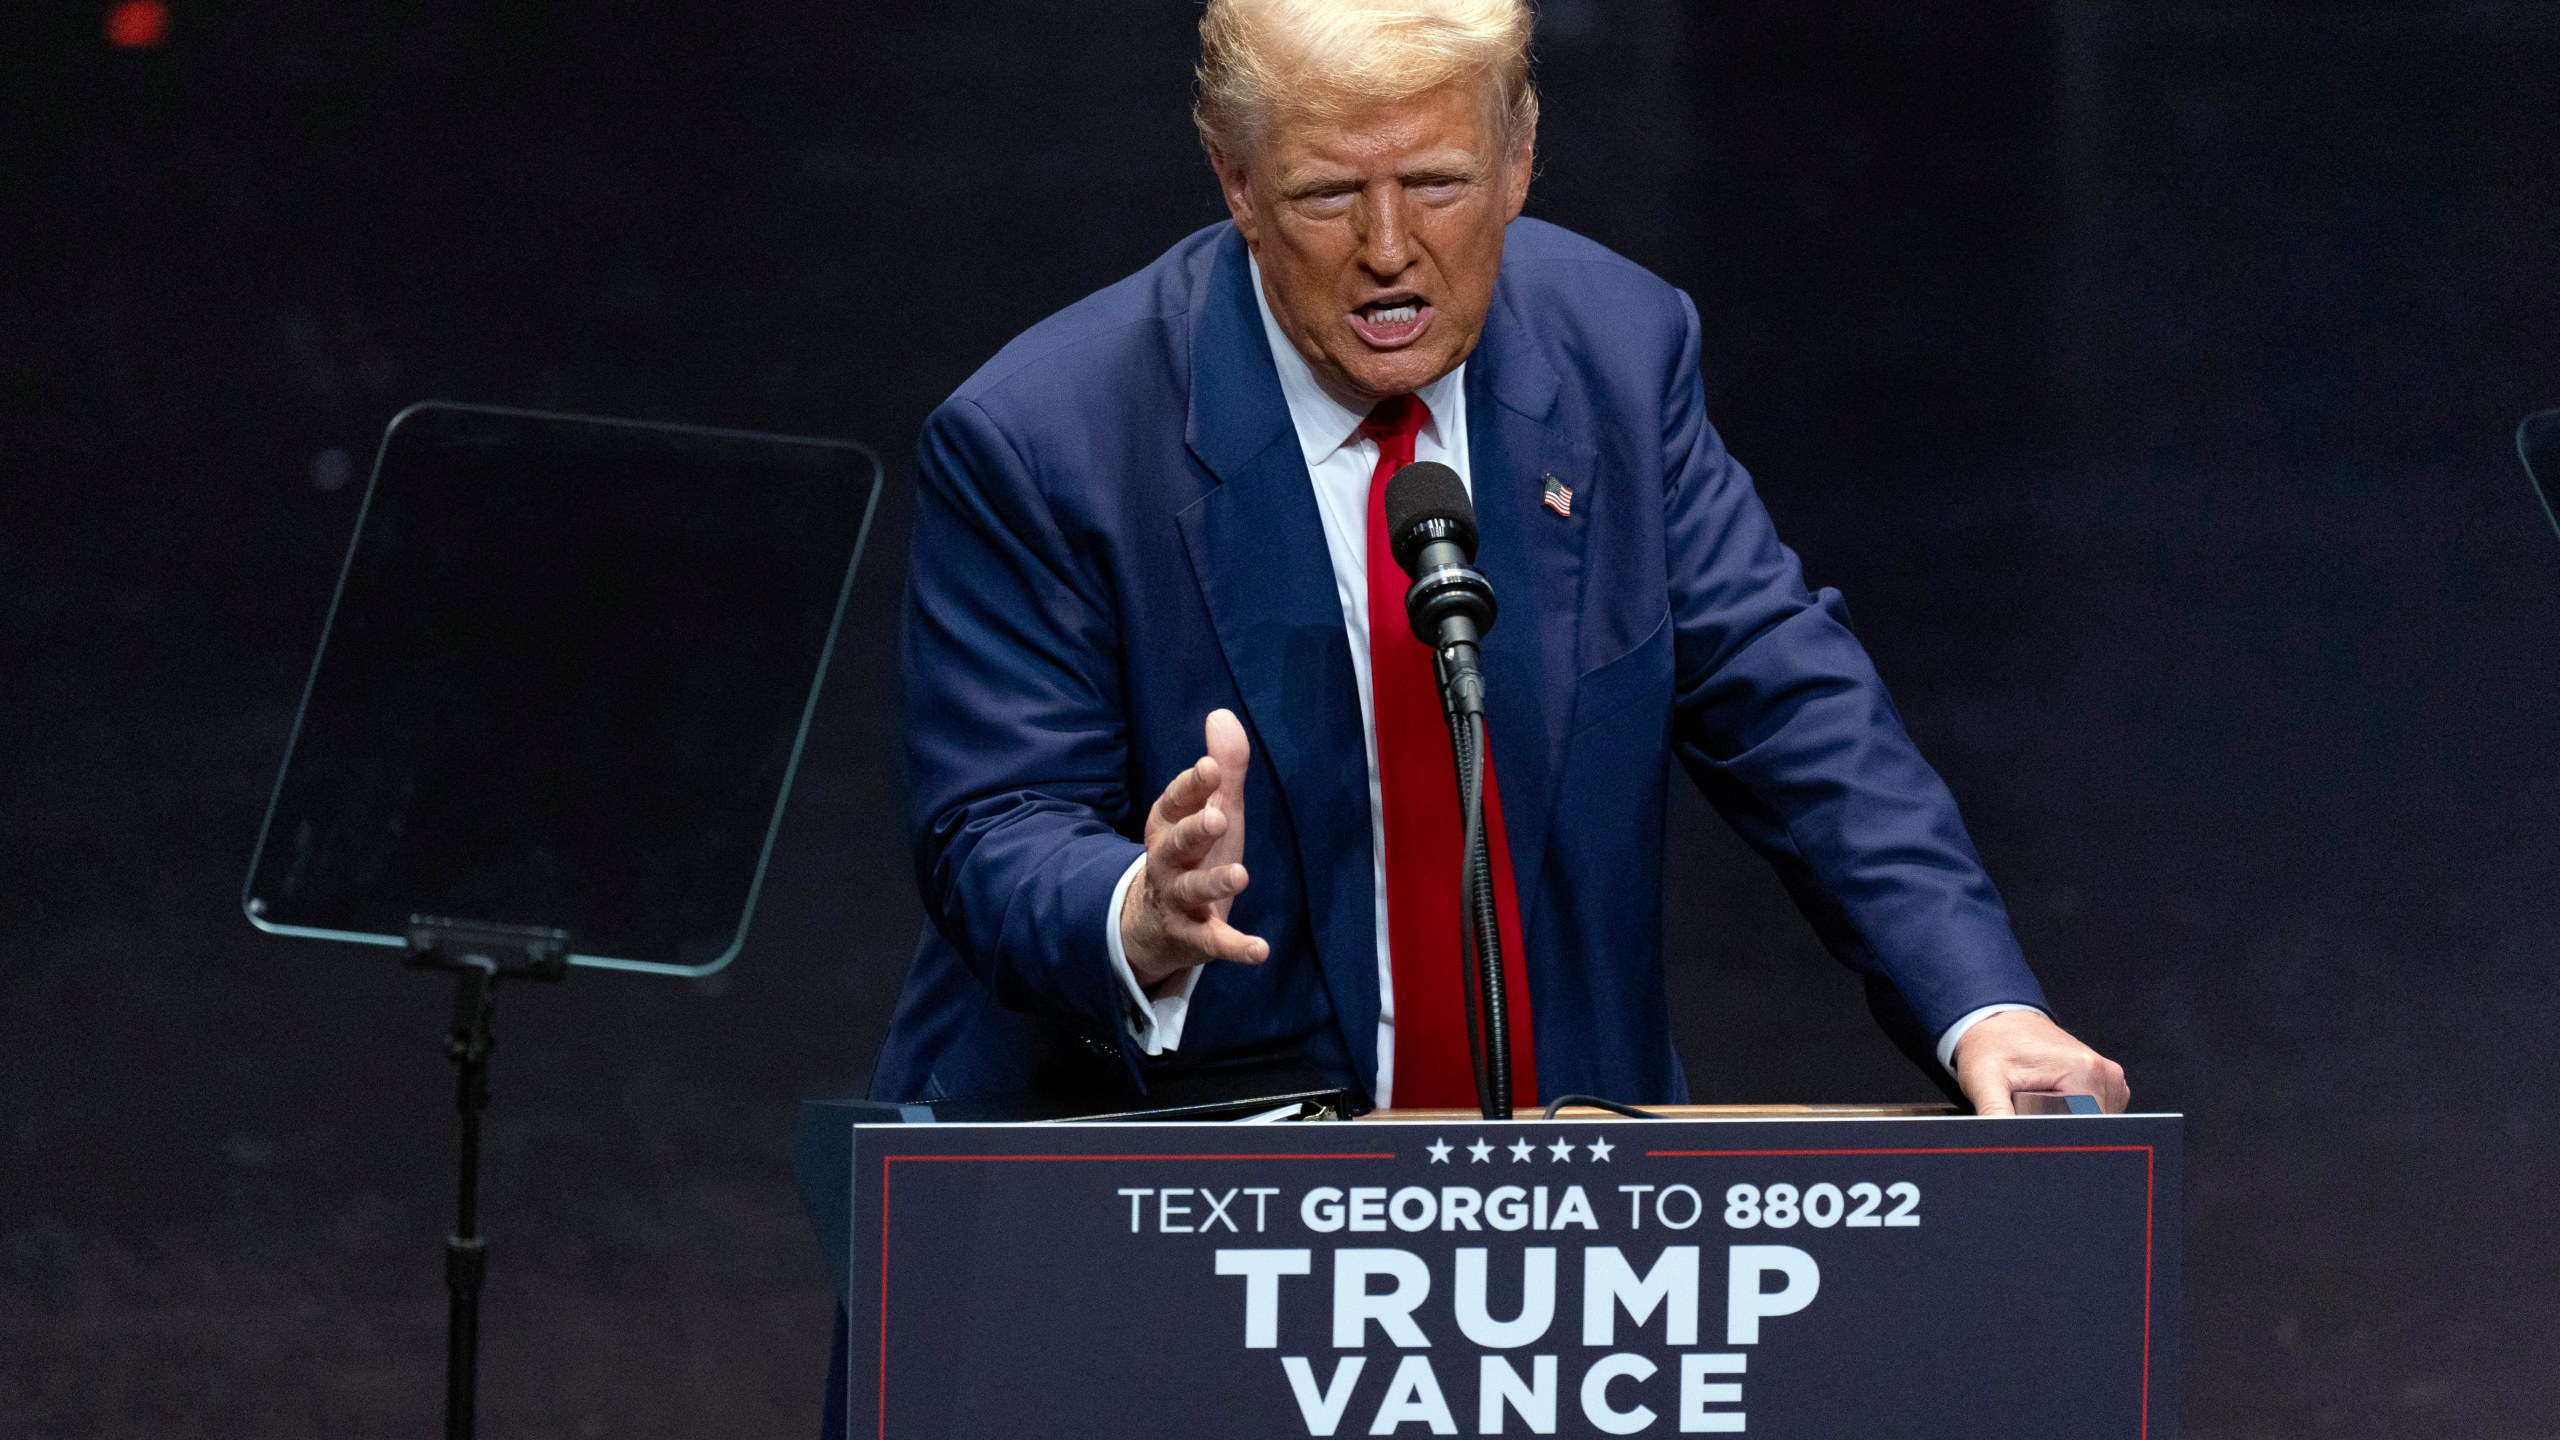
{"points": [[1423, 491]]}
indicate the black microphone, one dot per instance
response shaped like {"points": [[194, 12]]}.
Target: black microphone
{"points": [[1431, 526]]}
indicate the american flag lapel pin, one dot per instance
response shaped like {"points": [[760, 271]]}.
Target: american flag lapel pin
{"points": [[1559, 497]]}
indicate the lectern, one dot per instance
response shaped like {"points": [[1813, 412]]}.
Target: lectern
{"points": [[1794, 1272]]}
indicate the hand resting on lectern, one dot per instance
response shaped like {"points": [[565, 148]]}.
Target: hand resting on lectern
{"points": [[2024, 1050]]}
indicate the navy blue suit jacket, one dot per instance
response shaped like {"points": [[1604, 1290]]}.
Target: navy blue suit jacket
{"points": [[1116, 533]]}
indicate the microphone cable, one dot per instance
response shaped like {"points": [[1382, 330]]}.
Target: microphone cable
{"points": [[1596, 1103]]}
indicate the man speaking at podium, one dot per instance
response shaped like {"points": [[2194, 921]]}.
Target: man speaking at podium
{"points": [[1179, 782]]}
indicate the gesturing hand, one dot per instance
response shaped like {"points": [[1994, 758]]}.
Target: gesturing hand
{"points": [[2024, 1050], [1175, 915]]}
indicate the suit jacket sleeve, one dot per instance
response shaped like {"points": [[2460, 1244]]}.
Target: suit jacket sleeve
{"points": [[1781, 719], [1016, 744]]}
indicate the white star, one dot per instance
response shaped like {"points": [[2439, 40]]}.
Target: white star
{"points": [[1523, 1151], [1480, 1151], [1600, 1149], [1562, 1150], [1439, 1151]]}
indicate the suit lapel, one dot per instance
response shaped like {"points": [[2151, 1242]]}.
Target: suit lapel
{"points": [[1534, 557], [1257, 549]]}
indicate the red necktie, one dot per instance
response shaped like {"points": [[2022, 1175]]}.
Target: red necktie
{"points": [[1418, 778]]}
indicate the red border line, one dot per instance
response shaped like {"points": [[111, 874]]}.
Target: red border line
{"points": [[1918, 1150], [2150, 1187], [882, 1389], [1380, 1155]]}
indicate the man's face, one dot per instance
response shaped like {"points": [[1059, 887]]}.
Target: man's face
{"points": [[1380, 233]]}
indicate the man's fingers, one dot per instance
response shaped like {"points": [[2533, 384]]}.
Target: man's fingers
{"points": [[2114, 1096], [1187, 792], [1991, 1086], [1192, 890], [2088, 1073], [1223, 736], [1212, 938], [1182, 847], [2023, 1050], [1195, 836], [1221, 941], [1234, 944], [1989, 1092]]}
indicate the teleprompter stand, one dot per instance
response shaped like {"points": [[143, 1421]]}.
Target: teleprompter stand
{"points": [[564, 684], [477, 955]]}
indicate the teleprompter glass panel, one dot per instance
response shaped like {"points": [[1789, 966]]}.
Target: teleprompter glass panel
{"points": [[565, 682], [2538, 441]]}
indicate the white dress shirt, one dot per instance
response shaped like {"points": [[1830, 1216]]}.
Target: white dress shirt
{"points": [[1341, 462]]}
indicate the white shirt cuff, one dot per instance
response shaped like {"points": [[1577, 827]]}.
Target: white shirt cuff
{"points": [[1946, 1042], [1154, 1021]]}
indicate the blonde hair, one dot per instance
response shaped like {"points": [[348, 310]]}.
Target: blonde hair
{"points": [[1262, 58]]}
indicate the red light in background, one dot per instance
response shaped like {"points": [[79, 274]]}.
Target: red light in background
{"points": [[137, 24]]}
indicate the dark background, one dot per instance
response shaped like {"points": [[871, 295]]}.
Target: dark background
{"points": [[2143, 371]]}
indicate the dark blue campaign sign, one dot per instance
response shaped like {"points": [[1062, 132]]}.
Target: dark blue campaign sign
{"points": [[1902, 1277]]}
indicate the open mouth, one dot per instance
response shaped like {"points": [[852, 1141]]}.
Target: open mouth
{"points": [[1392, 321]]}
